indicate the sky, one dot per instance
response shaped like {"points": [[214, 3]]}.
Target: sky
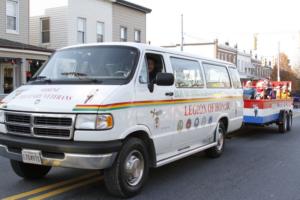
{"points": [[233, 21]]}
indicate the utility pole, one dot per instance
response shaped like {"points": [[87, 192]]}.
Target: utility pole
{"points": [[278, 65], [182, 37]]}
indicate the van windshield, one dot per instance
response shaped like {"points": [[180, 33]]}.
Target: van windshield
{"points": [[100, 64]]}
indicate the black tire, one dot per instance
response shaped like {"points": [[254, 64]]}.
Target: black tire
{"points": [[290, 121], [217, 151], [282, 126], [29, 171], [116, 178]]}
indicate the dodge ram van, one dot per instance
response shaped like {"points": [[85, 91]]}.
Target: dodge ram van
{"points": [[122, 108]]}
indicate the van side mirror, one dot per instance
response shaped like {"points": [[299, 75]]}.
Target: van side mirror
{"points": [[164, 79]]}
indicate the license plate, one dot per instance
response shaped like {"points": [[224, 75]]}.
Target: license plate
{"points": [[31, 156]]}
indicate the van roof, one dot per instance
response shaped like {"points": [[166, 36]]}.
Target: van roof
{"points": [[143, 47]]}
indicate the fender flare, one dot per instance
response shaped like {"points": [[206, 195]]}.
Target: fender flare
{"points": [[224, 116], [134, 129]]}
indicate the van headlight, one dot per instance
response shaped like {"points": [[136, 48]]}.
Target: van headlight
{"points": [[94, 122], [2, 116]]}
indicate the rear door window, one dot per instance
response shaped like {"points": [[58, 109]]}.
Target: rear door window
{"points": [[187, 73], [235, 77], [216, 76]]}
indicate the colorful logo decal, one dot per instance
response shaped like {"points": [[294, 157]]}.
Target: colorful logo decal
{"points": [[155, 115], [188, 123], [196, 122], [203, 121], [210, 119], [179, 125]]}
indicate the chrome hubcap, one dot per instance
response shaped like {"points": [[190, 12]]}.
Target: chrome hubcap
{"points": [[134, 168], [220, 138]]}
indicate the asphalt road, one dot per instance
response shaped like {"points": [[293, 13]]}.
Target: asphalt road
{"points": [[258, 164]]}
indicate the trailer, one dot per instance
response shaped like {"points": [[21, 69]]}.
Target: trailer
{"points": [[266, 111]]}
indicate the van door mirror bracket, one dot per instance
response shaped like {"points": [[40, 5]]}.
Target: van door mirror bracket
{"points": [[151, 87]]}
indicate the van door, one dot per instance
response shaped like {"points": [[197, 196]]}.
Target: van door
{"points": [[191, 111], [155, 109], [220, 93], [236, 115]]}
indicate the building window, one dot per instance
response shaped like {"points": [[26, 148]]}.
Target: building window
{"points": [[100, 32], [45, 24], [12, 16], [222, 56], [123, 34], [137, 36], [81, 30]]}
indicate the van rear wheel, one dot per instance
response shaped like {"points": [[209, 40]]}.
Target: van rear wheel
{"points": [[217, 151], [290, 121], [29, 171], [283, 125], [129, 172]]}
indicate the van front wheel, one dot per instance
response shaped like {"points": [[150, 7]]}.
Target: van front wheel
{"points": [[217, 150], [29, 171], [129, 172]]}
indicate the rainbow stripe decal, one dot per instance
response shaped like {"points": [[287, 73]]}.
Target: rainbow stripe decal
{"points": [[135, 104]]}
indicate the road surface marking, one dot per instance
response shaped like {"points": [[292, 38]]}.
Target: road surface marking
{"points": [[66, 189], [49, 187]]}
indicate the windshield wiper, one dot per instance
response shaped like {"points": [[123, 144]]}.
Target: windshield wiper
{"points": [[81, 76], [77, 74], [42, 78]]}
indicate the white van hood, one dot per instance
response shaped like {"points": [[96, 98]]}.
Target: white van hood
{"points": [[55, 98]]}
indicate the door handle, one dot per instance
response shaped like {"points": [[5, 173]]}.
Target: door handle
{"points": [[169, 94]]}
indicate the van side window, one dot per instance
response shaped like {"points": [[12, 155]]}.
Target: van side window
{"points": [[236, 81], [143, 78], [187, 73], [216, 76], [155, 64]]}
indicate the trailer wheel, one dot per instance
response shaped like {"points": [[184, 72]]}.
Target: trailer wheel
{"points": [[283, 124], [129, 172], [290, 121], [217, 151], [29, 171]]}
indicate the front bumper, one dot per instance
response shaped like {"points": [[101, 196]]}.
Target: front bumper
{"points": [[82, 155]]}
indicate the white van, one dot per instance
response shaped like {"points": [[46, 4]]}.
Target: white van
{"points": [[121, 107]]}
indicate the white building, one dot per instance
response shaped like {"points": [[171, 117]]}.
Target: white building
{"points": [[212, 49], [18, 60], [244, 65], [89, 21]]}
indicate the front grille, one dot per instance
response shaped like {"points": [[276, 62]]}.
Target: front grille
{"points": [[53, 121], [53, 126], [51, 132], [24, 119], [18, 129]]}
